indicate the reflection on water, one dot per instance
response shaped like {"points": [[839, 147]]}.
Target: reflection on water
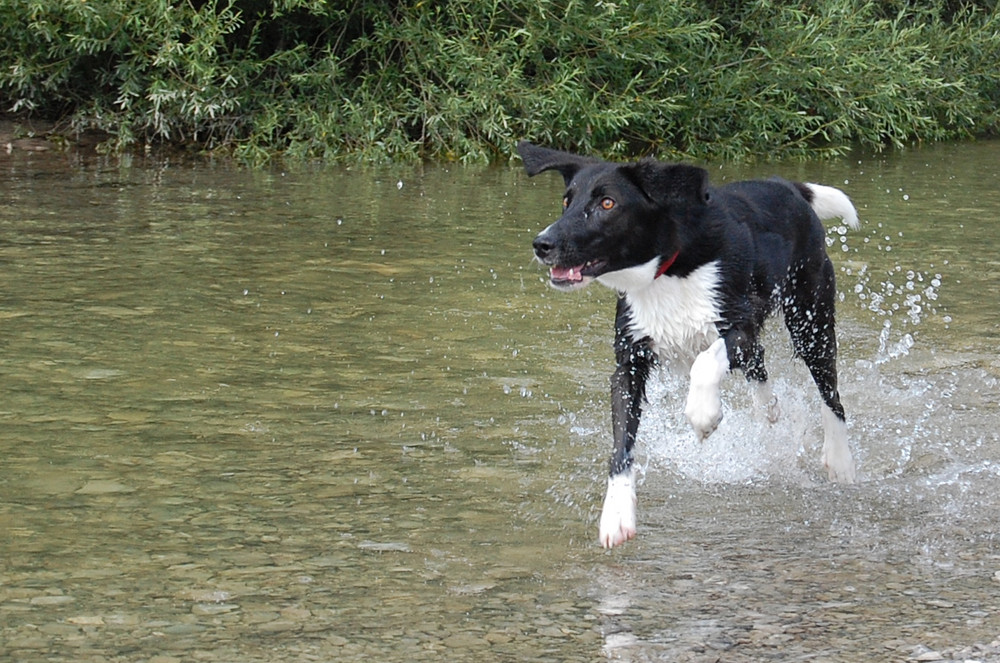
{"points": [[337, 415]]}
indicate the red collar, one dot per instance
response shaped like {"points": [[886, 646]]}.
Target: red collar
{"points": [[665, 265]]}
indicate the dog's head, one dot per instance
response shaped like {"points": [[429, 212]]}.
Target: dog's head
{"points": [[616, 216]]}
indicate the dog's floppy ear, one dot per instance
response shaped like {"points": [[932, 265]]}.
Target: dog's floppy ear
{"points": [[668, 183], [539, 159]]}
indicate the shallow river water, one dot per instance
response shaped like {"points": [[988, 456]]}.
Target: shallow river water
{"points": [[328, 415]]}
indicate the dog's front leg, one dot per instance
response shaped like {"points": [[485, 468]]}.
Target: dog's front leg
{"points": [[704, 402], [628, 392]]}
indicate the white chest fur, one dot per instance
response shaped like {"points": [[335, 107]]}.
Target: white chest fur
{"points": [[677, 314]]}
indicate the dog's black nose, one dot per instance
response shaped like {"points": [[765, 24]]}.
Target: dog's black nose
{"points": [[543, 247]]}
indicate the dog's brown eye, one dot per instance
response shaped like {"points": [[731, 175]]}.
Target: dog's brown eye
{"points": [[565, 202], [607, 203]]}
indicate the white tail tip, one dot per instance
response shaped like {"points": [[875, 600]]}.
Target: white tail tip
{"points": [[832, 203]]}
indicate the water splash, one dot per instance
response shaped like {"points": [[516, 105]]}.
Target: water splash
{"points": [[888, 350], [901, 297], [746, 447]]}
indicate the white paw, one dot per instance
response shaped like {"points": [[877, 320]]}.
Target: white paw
{"points": [[704, 402], [703, 410], [839, 464], [618, 515], [837, 458]]}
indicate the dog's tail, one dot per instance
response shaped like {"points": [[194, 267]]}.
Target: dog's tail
{"points": [[830, 203]]}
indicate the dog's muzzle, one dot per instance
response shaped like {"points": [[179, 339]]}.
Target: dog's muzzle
{"points": [[544, 248]]}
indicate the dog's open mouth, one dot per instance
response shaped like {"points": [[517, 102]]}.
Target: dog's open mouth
{"points": [[577, 275]]}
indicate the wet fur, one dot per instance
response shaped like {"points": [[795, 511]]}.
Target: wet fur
{"points": [[697, 269]]}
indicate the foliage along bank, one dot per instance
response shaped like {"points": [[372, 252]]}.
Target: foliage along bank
{"points": [[464, 79]]}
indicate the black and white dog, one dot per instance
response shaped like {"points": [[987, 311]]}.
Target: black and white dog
{"points": [[697, 269]]}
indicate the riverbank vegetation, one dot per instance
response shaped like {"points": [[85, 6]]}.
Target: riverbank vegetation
{"points": [[464, 79]]}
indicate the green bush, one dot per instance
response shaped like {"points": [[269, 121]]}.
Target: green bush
{"points": [[465, 79]]}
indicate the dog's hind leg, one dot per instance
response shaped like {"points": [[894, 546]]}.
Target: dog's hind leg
{"points": [[809, 316], [628, 393]]}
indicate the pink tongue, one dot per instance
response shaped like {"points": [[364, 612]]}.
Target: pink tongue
{"points": [[567, 274]]}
